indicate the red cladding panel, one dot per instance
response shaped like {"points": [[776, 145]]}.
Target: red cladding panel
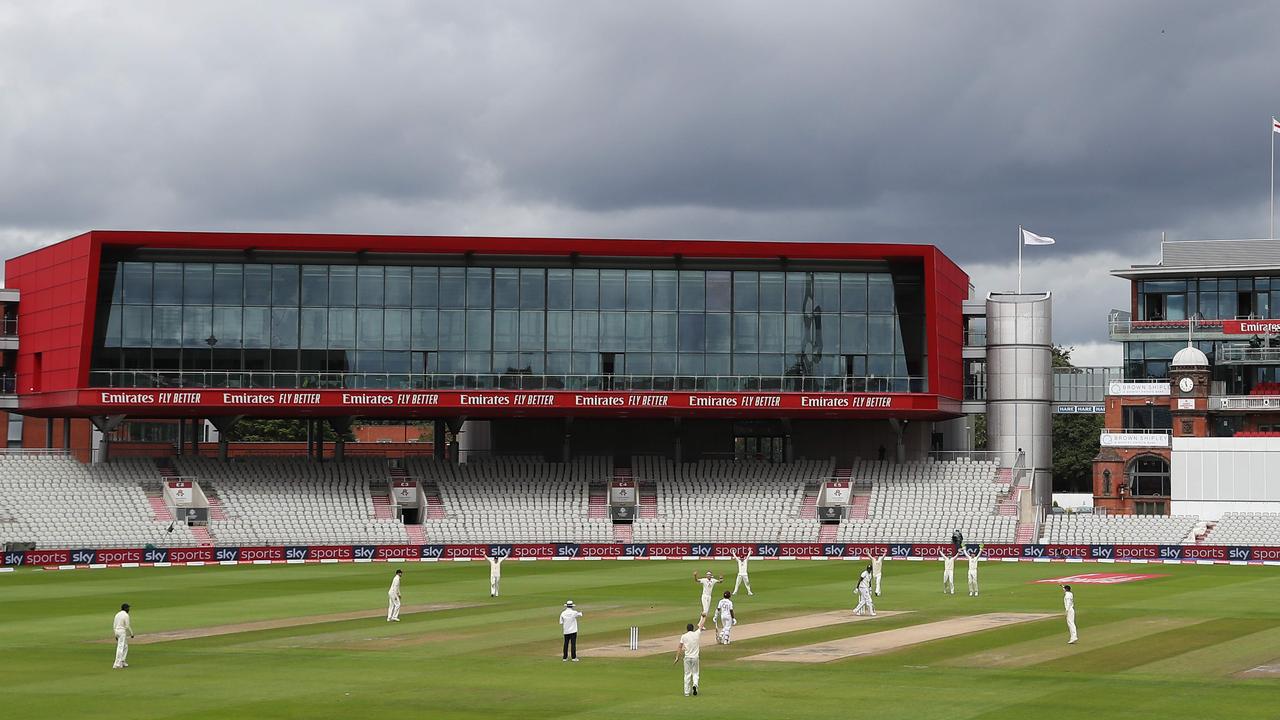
{"points": [[946, 288]]}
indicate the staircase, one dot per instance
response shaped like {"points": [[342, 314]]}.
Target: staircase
{"points": [[860, 507], [216, 512], [648, 501], [435, 505], [1202, 531], [1026, 534], [159, 511], [382, 509], [417, 535], [202, 536], [597, 501], [827, 532], [809, 505], [1004, 476], [622, 533]]}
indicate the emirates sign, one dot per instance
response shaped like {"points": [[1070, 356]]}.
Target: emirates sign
{"points": [[1250, 327]]}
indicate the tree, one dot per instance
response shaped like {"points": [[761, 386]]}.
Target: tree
{"points": [[1075, 441], [275, 430]]}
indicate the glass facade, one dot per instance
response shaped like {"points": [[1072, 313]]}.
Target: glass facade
{"points": [[1218, 298], [328, 325]]}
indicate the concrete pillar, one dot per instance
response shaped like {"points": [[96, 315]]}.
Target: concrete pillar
{"points": [[341, 426], [106, 424], [224, 425], [566, 452], [48, 432], [439, 445], [66, 433]]}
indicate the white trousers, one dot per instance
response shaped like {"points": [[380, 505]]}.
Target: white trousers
{"points": [[706, 604], [726, 624], [864, 602], [493, 584], [122, 648], [948, 582], [1071, 623], [690, 674], [973, 582], [877, 583], [393, 607], [742, 580]]}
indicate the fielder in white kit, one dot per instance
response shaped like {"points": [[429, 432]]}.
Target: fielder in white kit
{"points": [[495, 573], [1069, 604], [725, 618], [877, 567], [123, 630], [393, 598], [690, 647], [948, 572], [707, 584], [863, 589], [973, 569], [742, 571]]}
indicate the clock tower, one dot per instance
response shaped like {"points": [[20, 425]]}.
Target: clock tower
{"points": [[1189, 393]]}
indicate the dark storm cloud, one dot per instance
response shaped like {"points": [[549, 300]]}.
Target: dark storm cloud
{"points": [[1100, 123]]}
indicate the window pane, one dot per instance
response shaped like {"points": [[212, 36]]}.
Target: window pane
{"points": [[559, 330], [137, 326], [639, 289], [613, 330], [314, 323], [257, 327], [342, 286], [168, 284], [613, 289], [586, 289], [257, 284], [665, 292], [718, 364], [880, 293], [746, 333], [425, 287], [424, 329], [664, 332], [853, 292], [853, 334], [794, 334], [746, 291], [398, 288], [880, 334], [799, 291], [315, 285], [506, 288], [826, 292], [771, 291], [586, 331], [692, 290], [532, 331], [559, 289], [479, 287], [639, 329], [369, 287], [506, 328], [369, 329], [533, 291], [718, 334], [284, 284], [453, 330], [197, 326], [692, 331], [197, 284], [342, 325], [718, 291], [227, 327], [395, 329], [479, 332], [771, 333], [137, 283], [284, 328], [453, 287]]}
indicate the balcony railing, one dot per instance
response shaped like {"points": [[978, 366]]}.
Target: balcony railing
{"points": [[1243, 354], [8, 327], [1245, 402], [502, 381], [8, 384]]}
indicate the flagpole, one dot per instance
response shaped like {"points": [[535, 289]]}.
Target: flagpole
{"points": [[1020, 251], [1271, 232]]}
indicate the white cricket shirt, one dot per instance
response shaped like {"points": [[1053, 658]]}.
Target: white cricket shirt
{"points": [[725, 608], [569, 619], [394, 590], [122, 622], [495, 567], [690, 641], [707, 584], [742, 565], [1069, 601]]}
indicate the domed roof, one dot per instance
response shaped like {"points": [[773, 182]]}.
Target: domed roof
{"points": [[1189, 357]]}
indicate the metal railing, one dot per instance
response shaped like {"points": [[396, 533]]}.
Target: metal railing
{"points": [[8, 327], [975, 338], [1245, 402], [1246, 354], [8, 384], [501, 381], [35, 452]]}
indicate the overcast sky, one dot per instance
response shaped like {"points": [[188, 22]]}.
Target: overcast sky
{"points": [[1099, 123]]}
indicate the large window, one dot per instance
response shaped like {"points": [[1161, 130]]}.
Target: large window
{"points": [[1149, 476], [787, 326]]}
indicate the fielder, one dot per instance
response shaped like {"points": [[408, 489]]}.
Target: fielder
{"points": [[948, 572], [495, 573], [1069, 603], [569, 626], [393, 598], [123, 630], [877, 566], [973, 569], [742, 572], [725, 619], [691, 649], [707, 584], [863, 590]]}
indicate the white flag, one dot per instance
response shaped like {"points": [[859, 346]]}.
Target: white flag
{"points": [[1030, 238], [1275, 124]]}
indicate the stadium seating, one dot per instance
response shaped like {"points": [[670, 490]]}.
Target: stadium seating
{"points": [[728, 501], [926, 501], [1246, 529], [513, 500], [292, 501], [57, 502], [1076, 529], [1265, 388]]}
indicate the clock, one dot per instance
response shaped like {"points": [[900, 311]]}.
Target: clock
{"points": [[1186, 384]]}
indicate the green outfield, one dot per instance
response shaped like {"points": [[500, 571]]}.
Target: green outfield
{"points": [[1177, 646]]}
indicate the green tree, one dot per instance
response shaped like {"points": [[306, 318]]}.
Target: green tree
{"points": [[1075, 441], [275, 430]]}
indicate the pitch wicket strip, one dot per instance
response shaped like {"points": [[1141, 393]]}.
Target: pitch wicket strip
{"points": [[743, 631], [889, 640]]}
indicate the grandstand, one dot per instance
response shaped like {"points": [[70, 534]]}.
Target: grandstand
{"points": [[1245, 529], [1087, 528]]}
